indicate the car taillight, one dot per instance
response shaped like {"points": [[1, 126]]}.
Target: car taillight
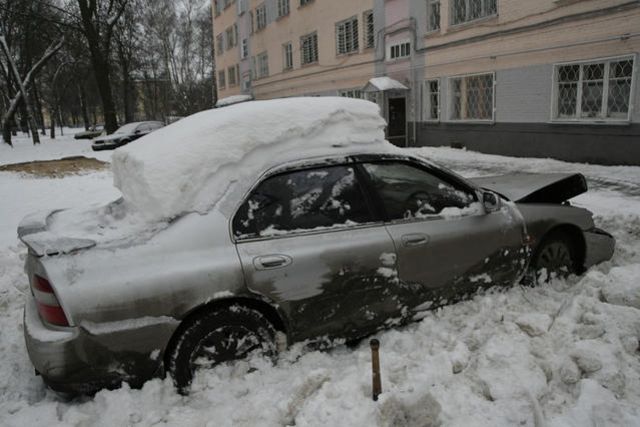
{"points": [[48, 305]]}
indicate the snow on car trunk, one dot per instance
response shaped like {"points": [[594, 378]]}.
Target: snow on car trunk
{"points": [[189, 165]]}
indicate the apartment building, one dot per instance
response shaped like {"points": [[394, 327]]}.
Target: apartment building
{"points": [[544, 78]]}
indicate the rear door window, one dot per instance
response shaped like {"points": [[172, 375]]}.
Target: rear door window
{"points": [[411, 192], [303, 200]]}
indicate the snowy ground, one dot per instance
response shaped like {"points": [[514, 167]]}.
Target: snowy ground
{"points": [[563, 354]]}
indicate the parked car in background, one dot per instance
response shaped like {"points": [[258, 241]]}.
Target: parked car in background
{"points": [[92, 132], [125, 134]]}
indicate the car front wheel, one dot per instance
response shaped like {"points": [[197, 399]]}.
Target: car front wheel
{"points": [[216, 337], [554, 257]]}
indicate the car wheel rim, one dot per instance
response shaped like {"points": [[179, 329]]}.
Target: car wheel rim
{"points": [[224, 344], [555, 258]]}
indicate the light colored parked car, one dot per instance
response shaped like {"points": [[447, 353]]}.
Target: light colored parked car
{"points": [[322, 247]]}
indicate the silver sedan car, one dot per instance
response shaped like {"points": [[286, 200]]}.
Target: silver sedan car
{"points": [[332, 246]]}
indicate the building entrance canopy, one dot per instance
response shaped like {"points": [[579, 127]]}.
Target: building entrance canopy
{"points": [[382, 84]]}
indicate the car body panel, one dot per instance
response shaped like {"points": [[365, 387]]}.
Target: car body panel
{"points": [[535, 188], [118, 139]]}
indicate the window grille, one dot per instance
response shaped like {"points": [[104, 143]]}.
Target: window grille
{"points": [[433, 15], [472, 97], [594, 91], [347, 36], [369, 29], [469, 10], [351, 93], [221, 80], [431, 100], [309, 48], [400, 50]]}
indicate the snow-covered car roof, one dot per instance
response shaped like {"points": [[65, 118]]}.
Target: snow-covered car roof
{"points": [[189, 165]]}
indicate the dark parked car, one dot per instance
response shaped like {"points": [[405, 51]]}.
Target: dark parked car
{"points": [[92, 132], [329, 246], [125, 134]]}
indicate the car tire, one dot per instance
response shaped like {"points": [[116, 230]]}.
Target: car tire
{"points": [[554, 256], [219, 336]]}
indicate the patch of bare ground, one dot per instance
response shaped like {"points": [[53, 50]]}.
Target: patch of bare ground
{"points": [[57, 168]]}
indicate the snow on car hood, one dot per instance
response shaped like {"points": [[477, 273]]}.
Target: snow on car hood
{"points": [[189, 165], [535, 188]]}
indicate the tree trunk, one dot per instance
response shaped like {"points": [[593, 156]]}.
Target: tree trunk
{"points": [[52, 133], [83, 106]]}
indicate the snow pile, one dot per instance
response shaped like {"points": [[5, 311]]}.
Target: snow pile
{"points": [[189, 165]]}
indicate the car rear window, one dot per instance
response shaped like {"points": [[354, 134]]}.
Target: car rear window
{"points": [[303, 200]]}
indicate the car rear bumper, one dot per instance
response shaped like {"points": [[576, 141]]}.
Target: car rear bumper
{"points": [[73, 360], [600, 246]]}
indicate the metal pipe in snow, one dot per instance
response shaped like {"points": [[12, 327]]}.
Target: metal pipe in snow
{"points": [[375, 368]]}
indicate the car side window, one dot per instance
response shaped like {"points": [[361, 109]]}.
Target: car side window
{"points": [[303, 200], [411, 192]]}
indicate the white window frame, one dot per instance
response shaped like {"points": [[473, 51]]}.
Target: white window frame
{"points": [[439, 22], [426, 100], [317, 55], [345, 29], [283, 8], [287, 56], [468, 21], [222, 79], [450, 99], [261, 17], [356, 93], [391, 49], [241, 6], [262, 60], [244, 49], [605, 92]]}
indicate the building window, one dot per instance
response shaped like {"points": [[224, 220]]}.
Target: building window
{"points": [[261, 64], [287, 53], [232, 36], [469, 10], [261, 17], [303, 2], [244, 52], [220, 44], [351, 93], [433, 15], [251, 23], [218, 7], [593, 91], [231, 71], [471, 97], [283, 8], [309, 48], [242, 6], [399, 50], [347, 36], [369, 29], [431, 100], [221, 80]]}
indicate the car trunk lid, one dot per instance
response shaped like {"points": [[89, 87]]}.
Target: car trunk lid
{"points": [[34, 232]]}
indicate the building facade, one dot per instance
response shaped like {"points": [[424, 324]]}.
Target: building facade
{"points": [[545, 78]]}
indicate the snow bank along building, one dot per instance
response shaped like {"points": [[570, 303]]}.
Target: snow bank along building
{"points": [[544, 78]]}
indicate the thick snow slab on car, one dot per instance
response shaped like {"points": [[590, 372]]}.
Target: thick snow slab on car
{"points": [[189, 165]]}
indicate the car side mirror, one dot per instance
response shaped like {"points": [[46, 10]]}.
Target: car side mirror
{"points": [[491, 201]]}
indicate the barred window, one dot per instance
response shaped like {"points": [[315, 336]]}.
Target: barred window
{"points": [[309, 48], [220, 44], [431, 100], [347, 36], [594, 91], [287, 53], [433, 15], [369, 29], [283, 8], [472, 97], [221, 80], [263, 65], [351, 93], [469, 10], [261, 17]]}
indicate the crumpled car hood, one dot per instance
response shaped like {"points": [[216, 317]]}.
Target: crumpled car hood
{"points": [[535, 188]]}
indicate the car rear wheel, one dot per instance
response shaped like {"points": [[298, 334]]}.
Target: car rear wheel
{"points": [[216, 337], [555, 257]]}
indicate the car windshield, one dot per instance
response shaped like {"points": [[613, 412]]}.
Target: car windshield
{"points": [[128, 128]]}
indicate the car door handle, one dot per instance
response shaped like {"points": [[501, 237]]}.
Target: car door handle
{"points": [[416, 239], [267, 262]]}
